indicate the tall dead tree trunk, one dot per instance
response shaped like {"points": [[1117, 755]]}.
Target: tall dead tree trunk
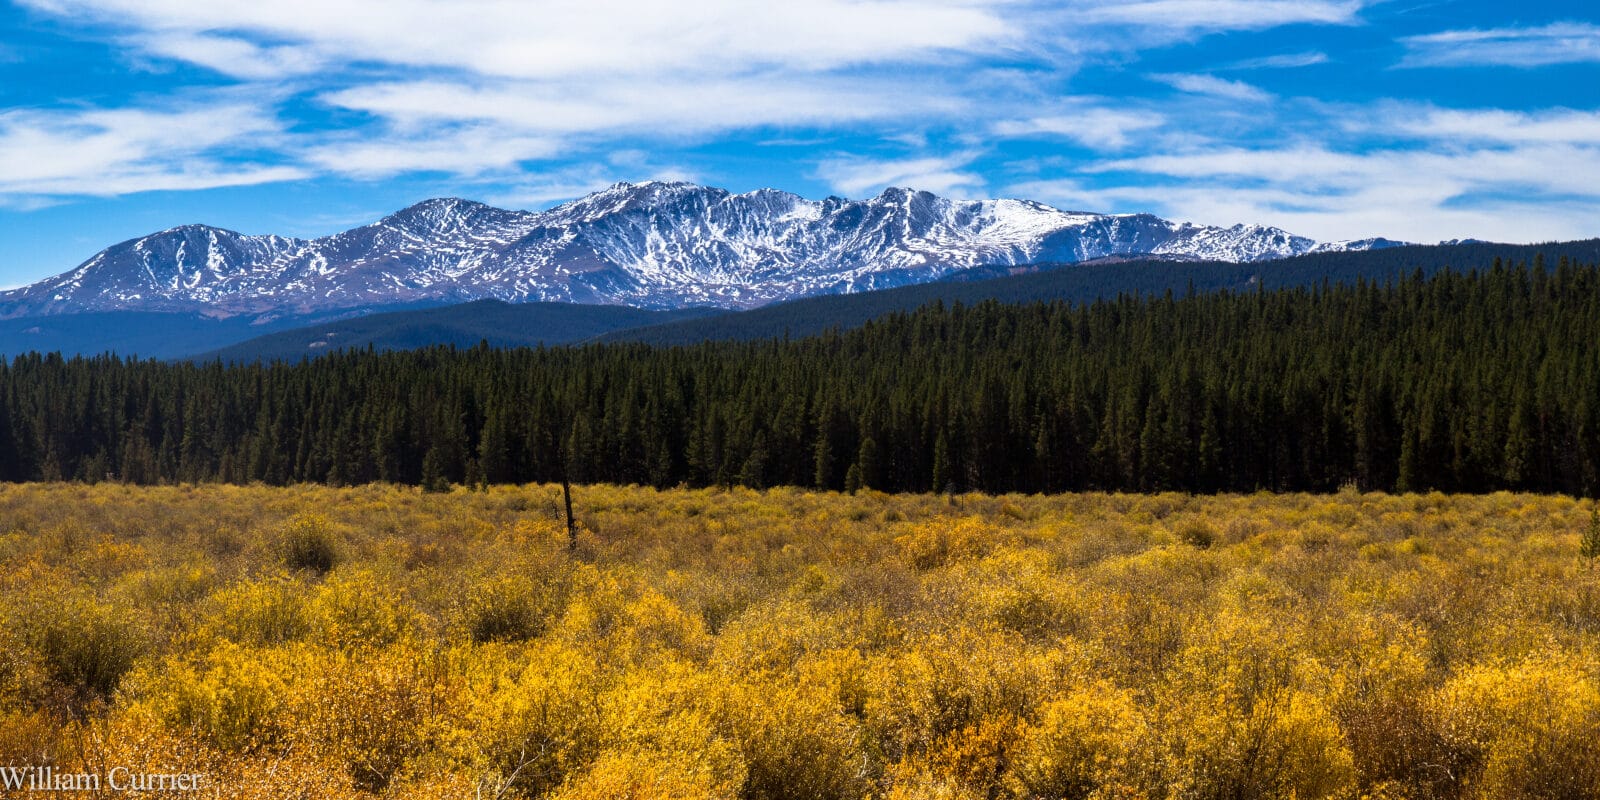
{"points": [[572, 527]]}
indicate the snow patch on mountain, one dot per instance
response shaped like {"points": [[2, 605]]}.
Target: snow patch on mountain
{"points": [[651, 245]]}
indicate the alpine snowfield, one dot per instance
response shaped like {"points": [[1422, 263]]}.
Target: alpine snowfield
{"points": [[650, 245]]}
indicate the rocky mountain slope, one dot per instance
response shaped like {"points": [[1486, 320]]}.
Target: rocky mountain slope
{"points": [[650, 245]]}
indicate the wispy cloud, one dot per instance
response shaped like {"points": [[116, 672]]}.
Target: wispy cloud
{"points": [[472, 127], [1537, 190], [531, 104], [1214, 86], [858, 176], [1101, 128], [660, 106], [1215, 15], [547, 187], [1561, 43], [1282, 61], [562, 40], [231, 55], [424, 77], [1560, 126], [105, 152], [1393, 208], [1405, 170], [1564, 169], [483, 85], [465, 152]]}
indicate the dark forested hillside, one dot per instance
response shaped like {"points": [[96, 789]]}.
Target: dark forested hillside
{"points": [[1455, 382], [1086, 283], [498, 323]]}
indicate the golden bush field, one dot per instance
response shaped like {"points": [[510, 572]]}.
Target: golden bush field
{"points": [[377, 641]]}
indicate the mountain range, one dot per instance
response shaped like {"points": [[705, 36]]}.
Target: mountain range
{"points": [[652, 245]]}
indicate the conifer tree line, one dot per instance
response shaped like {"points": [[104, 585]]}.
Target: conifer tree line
{"points": [[1457, 382]]}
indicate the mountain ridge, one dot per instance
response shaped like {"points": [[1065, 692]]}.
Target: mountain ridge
{"points": [[655, 245]]}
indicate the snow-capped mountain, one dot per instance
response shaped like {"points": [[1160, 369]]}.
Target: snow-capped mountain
{"points": [[651, 245]]}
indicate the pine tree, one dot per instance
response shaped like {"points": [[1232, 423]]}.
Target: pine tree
{"points": [[434, 476], [1589, 547], [943, 474], [494, 447], [822, 462], [754, 472], [869, 470], [852, 479]]}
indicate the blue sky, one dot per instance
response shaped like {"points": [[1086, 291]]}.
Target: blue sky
{"points": [[1335, 119]]}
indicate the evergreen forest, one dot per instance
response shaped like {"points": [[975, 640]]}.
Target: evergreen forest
{"points": [[1459, 382]]}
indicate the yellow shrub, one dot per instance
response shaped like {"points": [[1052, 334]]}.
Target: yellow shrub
{"points": [[795, 743], [719, 644], [357, 610], [290, 773], [773, 638], [308, 543], [657, 738], [1017, 588], [1239, 718], [842, 672], [1086, 743], [1287, 745], [85, 645], [628, 620], [1532, 729], [375, 711], [176, 585], [259, 613], [912, 781], [506, 608], [975, 757], [230, 699], [29, 737], [1381, 685], [644, 776], [530, 718], [941, 540], [942, 683]]}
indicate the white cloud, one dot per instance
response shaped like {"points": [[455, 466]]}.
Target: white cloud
{"points": [[1532, 192], [465, 152], [1217, 15], [662, 106], [471, 129], [477, 87], [109, 152], [1560, 43], [1402, 170], [1095, 127], [545, 188], [1551, 168], [857, 176], [1284, 61], [230, 55], [1395, 208], [566, 39], [1560, 126], [493, 90], [1214, 86]]}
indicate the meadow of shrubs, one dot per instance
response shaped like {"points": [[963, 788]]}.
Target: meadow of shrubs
{"points": [[313, 642]]}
